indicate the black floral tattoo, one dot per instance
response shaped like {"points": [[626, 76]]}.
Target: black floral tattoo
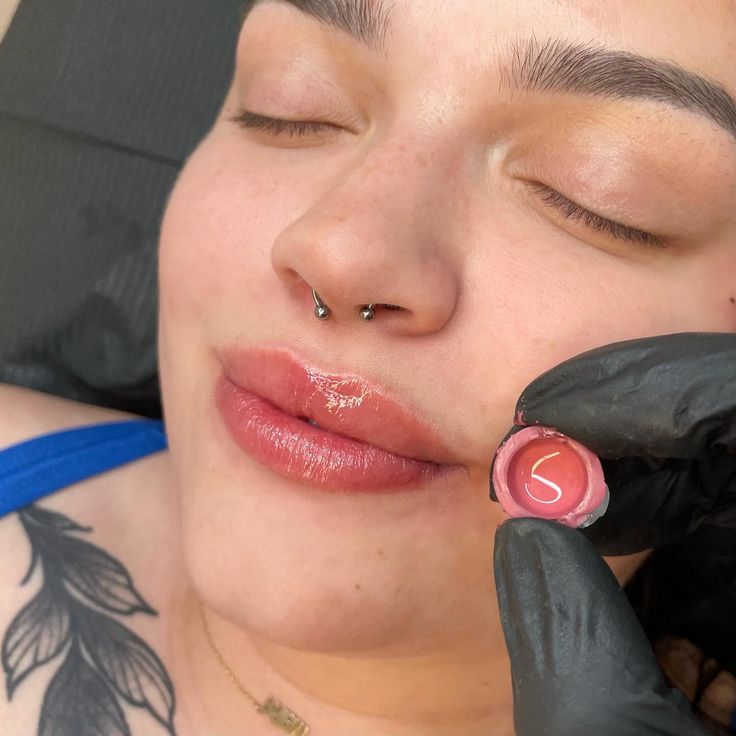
{"points": [[104, 663]]}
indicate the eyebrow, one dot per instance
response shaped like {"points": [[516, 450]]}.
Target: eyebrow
{"points": [[366, 21], [561, 66], [554, 66]]}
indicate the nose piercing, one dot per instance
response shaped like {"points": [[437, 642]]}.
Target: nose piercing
{"points": [[322, 311]]}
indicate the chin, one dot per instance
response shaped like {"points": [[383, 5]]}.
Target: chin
{"points": [[260, 565], [310, 603]]}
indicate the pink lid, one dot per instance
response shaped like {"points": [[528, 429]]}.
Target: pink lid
{"points": [[542, 472]]}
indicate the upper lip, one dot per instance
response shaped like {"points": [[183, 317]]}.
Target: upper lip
{"points": [[343, 403]]}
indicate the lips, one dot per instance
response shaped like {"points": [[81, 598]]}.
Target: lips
{"points": [[342, 403]]}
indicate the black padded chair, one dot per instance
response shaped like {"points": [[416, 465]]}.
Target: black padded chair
{"points": [[101, 101]]}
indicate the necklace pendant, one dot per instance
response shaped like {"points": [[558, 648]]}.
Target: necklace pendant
{"points": [[284, 718]]}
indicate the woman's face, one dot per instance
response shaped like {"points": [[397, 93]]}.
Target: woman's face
{"points": [[458, 145]]}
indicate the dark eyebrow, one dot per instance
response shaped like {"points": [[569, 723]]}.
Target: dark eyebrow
{"points": [[561, 66], [366, 21], [552, 66]]}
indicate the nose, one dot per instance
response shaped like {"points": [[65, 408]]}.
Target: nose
{"points": [[370, 239]]}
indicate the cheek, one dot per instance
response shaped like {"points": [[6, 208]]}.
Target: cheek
{"points": [[227, 209], [715, 283], [541, 302], [197, 239]]}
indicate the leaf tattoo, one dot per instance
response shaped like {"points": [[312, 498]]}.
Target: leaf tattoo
{"points": [[128, 664], [36, 635], [105, 662], [97, 577], [92, 710]]}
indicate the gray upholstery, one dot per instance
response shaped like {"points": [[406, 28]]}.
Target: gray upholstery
{"points": [[100, 103]]}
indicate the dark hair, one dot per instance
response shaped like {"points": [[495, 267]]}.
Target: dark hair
{"points": [[685, 598]]}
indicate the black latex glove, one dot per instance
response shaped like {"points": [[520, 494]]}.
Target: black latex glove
{"points": [[663, 412], [580, 663]]}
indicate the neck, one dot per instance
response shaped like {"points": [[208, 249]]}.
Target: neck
{"points": [[459, 689]]}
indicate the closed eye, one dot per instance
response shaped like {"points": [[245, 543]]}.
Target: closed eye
{"points": [[572, 211], [278, 127]]}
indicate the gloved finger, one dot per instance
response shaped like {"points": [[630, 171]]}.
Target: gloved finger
{"points": [[671, 396], [580, 662], [657, 502]]}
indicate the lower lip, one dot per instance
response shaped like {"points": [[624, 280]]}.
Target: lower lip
{"points": [[298, 450]]}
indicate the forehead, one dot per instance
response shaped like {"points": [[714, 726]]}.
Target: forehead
{"points": [[699, 34]]}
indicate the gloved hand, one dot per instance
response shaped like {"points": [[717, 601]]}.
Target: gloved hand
{"points": [[580, 663], [661, 413]]}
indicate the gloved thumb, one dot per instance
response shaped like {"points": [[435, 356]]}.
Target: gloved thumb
{"points": [[580, 661]]}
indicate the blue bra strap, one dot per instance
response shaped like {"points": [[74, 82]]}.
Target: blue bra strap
{"points": [[44, 464]]}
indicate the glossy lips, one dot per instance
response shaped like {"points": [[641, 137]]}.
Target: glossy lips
{"points": [[365, 441]]}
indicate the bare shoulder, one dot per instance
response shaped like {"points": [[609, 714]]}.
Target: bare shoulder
{"points": [[120, 503], [106, 547], [103, 500], [25, 413]]}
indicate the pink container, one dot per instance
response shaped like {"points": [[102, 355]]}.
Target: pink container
{"points": [[543, 473]]}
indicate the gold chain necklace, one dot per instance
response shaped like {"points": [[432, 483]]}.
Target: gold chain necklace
{"points": [[279, 714]]}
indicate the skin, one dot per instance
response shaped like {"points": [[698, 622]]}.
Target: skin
{"points": [[7, 11], [374, 615]]}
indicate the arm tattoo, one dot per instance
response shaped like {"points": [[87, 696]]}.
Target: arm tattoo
{"points": [[104, 665]]}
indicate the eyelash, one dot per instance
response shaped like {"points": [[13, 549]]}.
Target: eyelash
{"points": [[571, 211], [567, 208], [278, 127]]}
